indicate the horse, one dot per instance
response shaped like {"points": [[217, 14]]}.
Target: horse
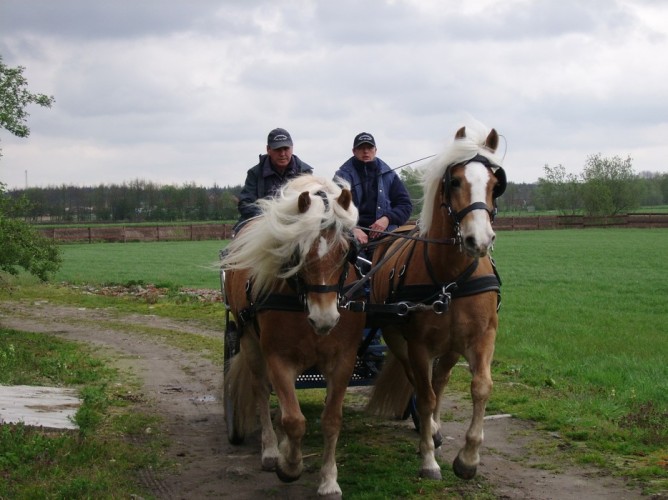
{"points": [[435, 293], [283, 276]]}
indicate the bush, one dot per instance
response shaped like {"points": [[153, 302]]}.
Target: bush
{"points": [[22, 247]]}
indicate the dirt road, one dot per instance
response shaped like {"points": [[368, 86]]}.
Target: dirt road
{"points": [[184, 389]]}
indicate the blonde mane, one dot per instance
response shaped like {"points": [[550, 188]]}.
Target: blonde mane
{"points": [[459, 151], [274, 245]]}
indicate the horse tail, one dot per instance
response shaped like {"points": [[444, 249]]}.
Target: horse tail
{"points": [[392, 390], [238, 387]]}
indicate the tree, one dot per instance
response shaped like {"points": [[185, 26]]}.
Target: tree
{"points": [[610, 185], [413, 182], [559, 190], [20, 245]]}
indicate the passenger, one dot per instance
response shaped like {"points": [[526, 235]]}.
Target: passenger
{"points": [[378, 192], [267, 177]]}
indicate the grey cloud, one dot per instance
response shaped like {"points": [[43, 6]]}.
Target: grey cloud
{"points": [[90, 19]]}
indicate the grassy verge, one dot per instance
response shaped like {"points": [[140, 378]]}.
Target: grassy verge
{"points": [[113, 441]]}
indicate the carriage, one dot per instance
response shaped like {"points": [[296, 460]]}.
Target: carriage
{"points": [[291, 273]]}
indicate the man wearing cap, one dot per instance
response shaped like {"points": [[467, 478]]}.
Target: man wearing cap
{"points": [[266, 178], [378, 192]]}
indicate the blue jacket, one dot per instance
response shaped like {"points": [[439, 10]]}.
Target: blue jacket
{"points": [[392, 198]]}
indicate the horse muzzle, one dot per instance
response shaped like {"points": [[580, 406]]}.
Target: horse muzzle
{"points": [[323, 315]]}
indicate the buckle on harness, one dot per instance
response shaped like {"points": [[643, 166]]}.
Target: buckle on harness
{"points": [[442, 303], [403, 308]]}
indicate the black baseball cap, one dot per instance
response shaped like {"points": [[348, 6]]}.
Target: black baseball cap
{"points": [[363, 138], [279, 138]]}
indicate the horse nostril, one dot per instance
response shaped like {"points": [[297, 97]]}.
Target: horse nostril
{"points": [[469, 241]]}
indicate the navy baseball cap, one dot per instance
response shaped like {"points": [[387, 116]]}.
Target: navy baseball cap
{"points": [[279, 138], [363, 138]]}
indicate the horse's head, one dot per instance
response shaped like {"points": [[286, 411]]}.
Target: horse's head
{"points": [[324, 270], [299, 245], [469, 186]]}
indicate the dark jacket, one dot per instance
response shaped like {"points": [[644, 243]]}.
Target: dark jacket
{"points": [[263, 181], [377, 182]]}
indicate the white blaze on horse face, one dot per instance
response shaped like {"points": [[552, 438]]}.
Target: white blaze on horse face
{"points": [[323, 247], [323, 310], [476, 228]]}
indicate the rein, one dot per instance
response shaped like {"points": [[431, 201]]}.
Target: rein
{"points": [[409, 236], [345, 301]]}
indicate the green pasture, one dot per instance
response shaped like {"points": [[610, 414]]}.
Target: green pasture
{"points": [[171, 263], [582, 347]]}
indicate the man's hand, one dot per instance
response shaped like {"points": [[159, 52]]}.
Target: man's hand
{"points": [[380, 225], [361, 236]]}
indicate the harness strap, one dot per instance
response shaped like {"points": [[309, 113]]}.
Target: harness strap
{"points": [[426, 294], [478, 205], [279, 302], [358, 286]]}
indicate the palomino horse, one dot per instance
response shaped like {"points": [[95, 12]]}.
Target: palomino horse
{"points": [[442, 284], [284, 274]]}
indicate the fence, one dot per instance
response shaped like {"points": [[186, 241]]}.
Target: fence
{"points": [[197, 232], [123, 234], [636, 220]]}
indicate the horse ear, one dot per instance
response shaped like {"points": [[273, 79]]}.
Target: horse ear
{"points": [[492, 141], [304, 202], [461, 133], [345, 198]]}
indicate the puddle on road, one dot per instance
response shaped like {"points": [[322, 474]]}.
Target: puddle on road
{"points": [[207, 398]]}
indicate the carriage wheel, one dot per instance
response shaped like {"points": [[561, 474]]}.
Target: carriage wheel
{"points": [[231, 347]]}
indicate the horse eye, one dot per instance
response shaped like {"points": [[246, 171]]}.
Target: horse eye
{"points": [[455, 183]]}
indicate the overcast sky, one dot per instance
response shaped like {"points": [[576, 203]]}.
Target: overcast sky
{"points": [[177, 92]]}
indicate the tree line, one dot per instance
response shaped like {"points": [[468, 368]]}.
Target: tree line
{"points": [[607, 186], [136, 201]]}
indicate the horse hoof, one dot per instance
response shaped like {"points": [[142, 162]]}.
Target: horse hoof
{"points": [[462, 470], [330, 496], [284, 477], [434, 474], [269, 464]]}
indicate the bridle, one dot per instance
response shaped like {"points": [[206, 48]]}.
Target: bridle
{"points": [[458, 215], [299, 285]]}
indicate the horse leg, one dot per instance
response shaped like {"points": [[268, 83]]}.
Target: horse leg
{"points": [[467, 460], [426, 401], [292, 423], [261, 391], [440, 378], [332, 416], [269, 440]]}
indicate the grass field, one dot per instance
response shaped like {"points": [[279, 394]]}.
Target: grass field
{"points": [[171, 263], [582, 347], [583, 341]]}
